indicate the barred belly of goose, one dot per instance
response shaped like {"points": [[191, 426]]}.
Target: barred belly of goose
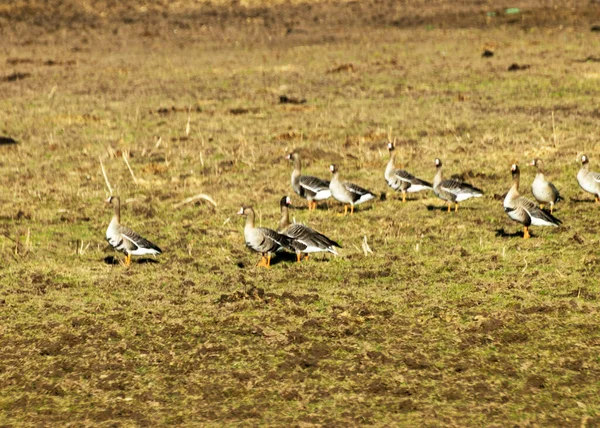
{"points": [[523, 210], [451, 190], [125, 240], [304, 239], [589, 180], [400, 180], [347, 193], [311, 188], [263, 240], [543, 191]]}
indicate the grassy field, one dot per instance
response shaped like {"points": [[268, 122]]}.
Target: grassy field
{"points": [[453, 320]]}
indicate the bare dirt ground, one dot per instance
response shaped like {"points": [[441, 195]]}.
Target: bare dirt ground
{"points": [[453, 320]]}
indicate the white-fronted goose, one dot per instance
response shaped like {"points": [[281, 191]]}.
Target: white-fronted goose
{"points": [[347, 193], [304, 239], [543, 191], [125, 240], [262, 240], [311, 188], [402, 181], [451, 190], [589, 180], [523, 210]]}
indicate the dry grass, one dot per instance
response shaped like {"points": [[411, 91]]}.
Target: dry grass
{"points": [[454, 320]]}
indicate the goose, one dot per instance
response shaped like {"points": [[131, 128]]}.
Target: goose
{"points": [[589, 180], [347, 193], [306, 186], [543, 191], [125, 240], [263, 240], [398, 179], [523, 210], [304, 239], [451, 190]]}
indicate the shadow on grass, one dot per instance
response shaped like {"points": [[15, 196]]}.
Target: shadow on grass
{"points": [[112, 260], [582, 201], [519, 234], [283, 257], [445, 208]]}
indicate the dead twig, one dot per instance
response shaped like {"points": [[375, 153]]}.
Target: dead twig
{"points": [[195, 198], [129, 167], [105, 176]]}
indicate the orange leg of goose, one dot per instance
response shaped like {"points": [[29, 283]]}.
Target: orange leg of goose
{"points": [[269, 260], [351, 209], [298, 257], [403, 196], [456, 207], [128, 260], [449, 206], [551, 208], [541, 206], [597, 199], [309, 205], [262, 262], [345, 209], [526, 234], [306, 257]]}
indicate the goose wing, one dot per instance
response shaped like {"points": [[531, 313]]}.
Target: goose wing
{"points": [[523, 207], [136, 240], [409, 178], [314, 184], [358, 193], [555, 192], [271, 241], [457, 187], [402, 175], [306, 238]]}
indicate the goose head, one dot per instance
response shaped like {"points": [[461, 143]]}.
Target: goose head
{"points": [[245, 211], [333, 169], [285, 201], [112, 200], [538, 163], [438, 163], [584, 160], [391, 146]]}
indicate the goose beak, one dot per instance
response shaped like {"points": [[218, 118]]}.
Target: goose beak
{"points": [[532, 163], [288, 201], [288, 156], [108, 200], [241, 211]]}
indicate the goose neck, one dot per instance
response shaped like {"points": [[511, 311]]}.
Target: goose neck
{"points": [[284, 221]]}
